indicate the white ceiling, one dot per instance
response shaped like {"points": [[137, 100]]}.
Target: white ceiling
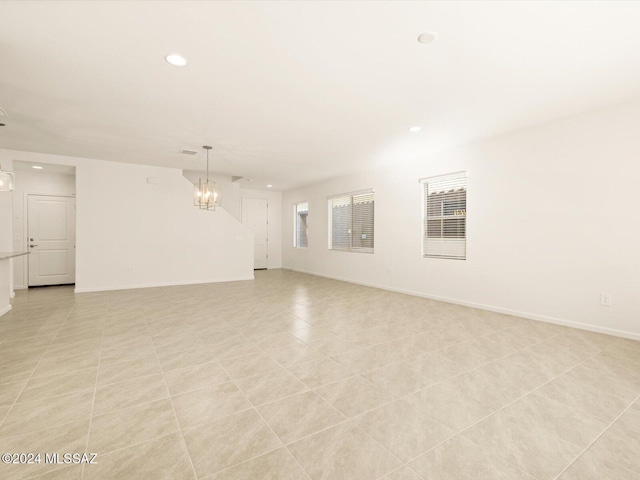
{"points": [[22, 166], [289, 93]]}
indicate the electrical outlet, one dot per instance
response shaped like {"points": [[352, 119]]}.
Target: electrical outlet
{"points": [[605, 299]]}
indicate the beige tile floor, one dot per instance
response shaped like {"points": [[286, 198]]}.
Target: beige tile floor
{"points": [[296, 377]]}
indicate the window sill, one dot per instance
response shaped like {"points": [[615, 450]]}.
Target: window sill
{"points": [[371, 252]]}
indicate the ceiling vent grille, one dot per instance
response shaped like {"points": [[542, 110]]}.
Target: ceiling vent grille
{"points": [[3, 113], [187, 151]]}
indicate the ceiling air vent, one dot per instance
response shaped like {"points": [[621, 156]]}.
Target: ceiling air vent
{"points": [[3, 113], [186, 151]]}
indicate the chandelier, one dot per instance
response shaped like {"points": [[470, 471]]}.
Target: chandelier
{"points": [[207, 193]]}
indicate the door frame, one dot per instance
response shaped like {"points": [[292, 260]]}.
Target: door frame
{"points": [[267, 231], [25, 229]]}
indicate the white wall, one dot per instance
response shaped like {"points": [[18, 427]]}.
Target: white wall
{"points": [[232, 195], [274, 232], [552, 223], [28, 182], [5, 242], [134, 234]]}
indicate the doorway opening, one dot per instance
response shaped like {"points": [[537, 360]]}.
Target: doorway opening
{"points": [[255, 217], [44, 224]]}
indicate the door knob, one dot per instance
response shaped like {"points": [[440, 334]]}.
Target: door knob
{"points": [[33, 246]]}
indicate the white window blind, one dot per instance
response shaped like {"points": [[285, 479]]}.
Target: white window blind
{"points": [[351, 222], [301, 225], [445, 216]]}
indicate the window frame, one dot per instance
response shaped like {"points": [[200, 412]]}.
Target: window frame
{"points": [[351, 248], [458, 180], [295, 225]]}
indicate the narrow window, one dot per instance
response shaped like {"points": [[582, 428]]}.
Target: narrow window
{"points": [[301, 225], [445, 216]]}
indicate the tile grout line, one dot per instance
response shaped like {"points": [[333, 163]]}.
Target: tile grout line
{"points": [[297, 462], [403, 397], [226, 469], [279, 399], [286, 446], [58, 395], [264, 421], [597, 438], [431, 352], [423, 353], [397, 397], [325, 356], [141, 442], [22, 389], [95, 389], [173, 408], [402, 463], [35, 368], [426, 330], [496, 411]]}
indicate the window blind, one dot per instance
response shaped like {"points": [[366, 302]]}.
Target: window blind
{"points": [[445, 216], [301, 225], [352, 222]]}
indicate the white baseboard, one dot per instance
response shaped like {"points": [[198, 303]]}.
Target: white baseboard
{"points": [[160, 284], [5, 310], [491, 308]]}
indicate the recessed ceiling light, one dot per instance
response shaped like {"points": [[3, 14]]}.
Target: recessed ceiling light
{"points": [[269, 186], [176, 60], [414, 129], [37, 167], [427, 37]]}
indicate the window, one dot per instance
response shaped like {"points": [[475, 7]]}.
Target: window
{"points": [[351, 222], [300, 225], [445, 216]]}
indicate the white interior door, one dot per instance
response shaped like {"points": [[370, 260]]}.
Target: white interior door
{"points": [[254, 216], [51, 240]]}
